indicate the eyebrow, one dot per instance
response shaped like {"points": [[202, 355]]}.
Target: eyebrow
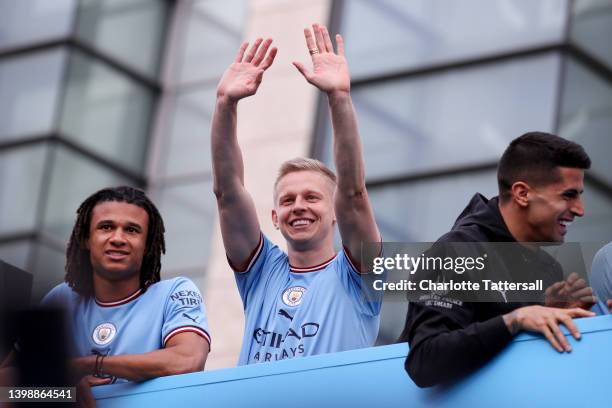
{"points": [[573, 191], [134, 225], [129, 224]]}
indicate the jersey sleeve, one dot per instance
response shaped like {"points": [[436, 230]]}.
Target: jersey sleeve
{"points": [[262, 258], [359, 286], [184, 312], [60, 296], [601, 278]]}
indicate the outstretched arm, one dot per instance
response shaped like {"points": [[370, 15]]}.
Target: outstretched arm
{"points": [[239, 224], [330, 74]]}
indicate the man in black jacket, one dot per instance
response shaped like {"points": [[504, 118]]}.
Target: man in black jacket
{"points": [[540, 179]]}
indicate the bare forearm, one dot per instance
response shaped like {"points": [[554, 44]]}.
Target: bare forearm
{"points": [[237, 216], [228, 168], [348, 154], [139, 367]]}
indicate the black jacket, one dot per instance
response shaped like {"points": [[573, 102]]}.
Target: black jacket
{"points": [[449, 342]]}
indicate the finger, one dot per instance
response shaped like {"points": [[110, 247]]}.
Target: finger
{"points": [[578, 312], [572, 277], [262, 52], [251, 54], [83, 394], [328, 44], [583, 293], [309, 40], [241, 51], [554, 327], [269, 59], [555, 287], [101, 381], [571, 326], [588, 301], [340, 44], [300, 67], [551, 339], [577, 285], [93, 381], [319, 38]]}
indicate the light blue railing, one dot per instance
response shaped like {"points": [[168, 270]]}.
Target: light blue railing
{"points": [[529, 373]]}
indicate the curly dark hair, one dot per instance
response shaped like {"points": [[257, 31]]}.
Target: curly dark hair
{"points": [[79, 272]]}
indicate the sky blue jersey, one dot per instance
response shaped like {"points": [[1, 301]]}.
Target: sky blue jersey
{"points": [[140, 323], [601, 278], [295, 312]]}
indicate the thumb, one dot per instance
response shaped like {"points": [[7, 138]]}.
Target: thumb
{"points": [[300, 67], [93, 381]]}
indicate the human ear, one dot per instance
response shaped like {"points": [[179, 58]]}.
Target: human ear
{"points": [[520, 192], [275, 218]]}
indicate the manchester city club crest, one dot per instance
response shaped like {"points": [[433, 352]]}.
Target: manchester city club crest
{"points": [[104, 333], [293, 295]]}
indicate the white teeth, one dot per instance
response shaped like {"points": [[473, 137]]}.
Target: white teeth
{"points": [[300, 222], [565, 223]]}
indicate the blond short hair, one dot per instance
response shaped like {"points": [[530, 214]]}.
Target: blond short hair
{"points": [[303, 164]]}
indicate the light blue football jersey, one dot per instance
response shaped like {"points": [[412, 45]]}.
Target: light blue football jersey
{"points": [[296, 312], [140, 323]]}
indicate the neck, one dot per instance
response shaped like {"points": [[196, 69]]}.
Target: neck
{"points": [[515, 221], [111, 291], [310, 257]]}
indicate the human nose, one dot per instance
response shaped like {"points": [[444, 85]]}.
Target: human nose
{"points": [[118, 237], [578, 207], [299, 204]]}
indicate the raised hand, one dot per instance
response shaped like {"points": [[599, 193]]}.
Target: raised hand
{"points": [[330, 71], [242, 78]]}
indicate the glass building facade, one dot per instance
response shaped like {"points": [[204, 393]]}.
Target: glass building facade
{"points": [[79, 85], [106, 92], [441, 87]]}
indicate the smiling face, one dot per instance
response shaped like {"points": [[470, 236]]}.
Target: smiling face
{"points": [[304, 209], [551, 208], [117, 239]]}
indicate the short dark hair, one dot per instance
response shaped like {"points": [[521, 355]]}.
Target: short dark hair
{"points": [[534, 157], [78, 264]]}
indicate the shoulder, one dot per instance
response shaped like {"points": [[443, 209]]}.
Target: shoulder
{"points": [[266, 252], [172, 285], [463, 234], [343, 259], [270, 250], [603, 258], [62, 295]]}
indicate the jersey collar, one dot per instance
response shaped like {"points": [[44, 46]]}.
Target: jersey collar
{"points": [[121, 301], [312, 268]]}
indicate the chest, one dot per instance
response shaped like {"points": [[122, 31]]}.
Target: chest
{"points": [[127, 329]]}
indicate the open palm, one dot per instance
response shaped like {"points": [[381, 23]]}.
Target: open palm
{"points": [[330, 71], [242, 78]]}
